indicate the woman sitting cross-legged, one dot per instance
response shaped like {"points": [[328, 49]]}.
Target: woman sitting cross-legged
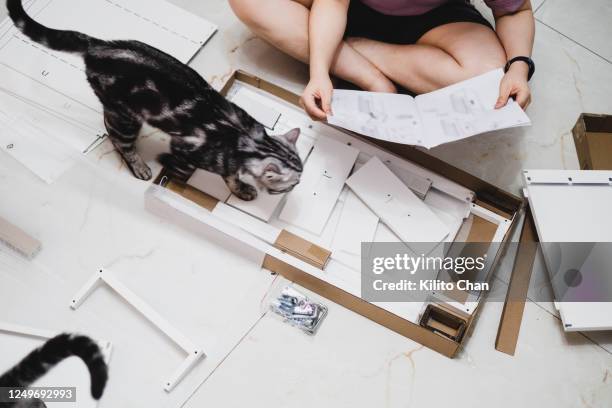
{"points": [[420, 45]]}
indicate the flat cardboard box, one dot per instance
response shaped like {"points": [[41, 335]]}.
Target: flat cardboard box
{"points": [[301, 261], [593, 140]]}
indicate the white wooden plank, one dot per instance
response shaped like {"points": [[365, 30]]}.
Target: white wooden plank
{"points": [[312, 201], [251, 102], [396, 205], [248, 223], [210, 183], [357, 224]]}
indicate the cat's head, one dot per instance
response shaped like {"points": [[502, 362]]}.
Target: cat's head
{"points": [[277, 167]]}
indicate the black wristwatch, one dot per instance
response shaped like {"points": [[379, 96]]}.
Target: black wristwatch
{"points": [[526, 60]]}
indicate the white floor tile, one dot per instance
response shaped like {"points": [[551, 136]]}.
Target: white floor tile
{"points": [[587, 22], [353, 362]]}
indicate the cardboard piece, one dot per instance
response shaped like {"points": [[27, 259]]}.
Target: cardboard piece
{"points": [[512, 314], [18, 239], [302, 249], [329, 283], [593, 139]]}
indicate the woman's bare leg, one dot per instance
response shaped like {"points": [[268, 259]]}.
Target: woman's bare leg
{"points": [[284, 24], [443, 56]]}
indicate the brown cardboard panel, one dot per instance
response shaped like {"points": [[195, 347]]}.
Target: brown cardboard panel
{"points": [[593, 140], [422, 335], [302, 249], [193, 194], [445, 321], [481, 230], [512, 314], [18, 239]]}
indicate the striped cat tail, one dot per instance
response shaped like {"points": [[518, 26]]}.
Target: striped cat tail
{"points": [[59, 40], [41, 360]]}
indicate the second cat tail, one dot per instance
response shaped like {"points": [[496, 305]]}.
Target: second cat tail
{"points": [[41, 360]]}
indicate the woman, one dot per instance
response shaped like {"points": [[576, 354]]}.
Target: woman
{"points": [[421, 45]]}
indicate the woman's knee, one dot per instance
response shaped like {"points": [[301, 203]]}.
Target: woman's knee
{"points": [[480, 64], [251, 12], [245, 10]]}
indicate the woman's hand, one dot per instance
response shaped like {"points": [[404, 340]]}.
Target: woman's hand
{"points": [[316, 98], [514, 84]]}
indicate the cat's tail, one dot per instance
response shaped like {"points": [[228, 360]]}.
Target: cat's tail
{"points": [[41, 360], [59, 40]]}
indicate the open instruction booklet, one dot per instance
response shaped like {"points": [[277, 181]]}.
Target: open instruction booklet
{"points": [[456, 112]]}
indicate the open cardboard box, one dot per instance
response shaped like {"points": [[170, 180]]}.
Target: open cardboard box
{"points": [[593, 139], [474, 210]]}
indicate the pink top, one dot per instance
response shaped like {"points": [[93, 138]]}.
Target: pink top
{"points": [[418, 7]]}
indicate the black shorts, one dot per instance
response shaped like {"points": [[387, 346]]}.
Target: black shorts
{"points": [[368, 23]]}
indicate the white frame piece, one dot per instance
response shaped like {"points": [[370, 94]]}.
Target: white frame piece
{"points": [[194, 353]]}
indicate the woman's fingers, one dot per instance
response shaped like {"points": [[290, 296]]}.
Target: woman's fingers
{"points": [[522, 98], [316, 98], [505, 90], [309, 101]]}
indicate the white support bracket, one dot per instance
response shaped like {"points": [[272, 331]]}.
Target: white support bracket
{"points": [[194, 353]]}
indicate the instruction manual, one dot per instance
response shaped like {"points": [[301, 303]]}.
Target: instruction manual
{"points": [[48, 110], [456, 112]]}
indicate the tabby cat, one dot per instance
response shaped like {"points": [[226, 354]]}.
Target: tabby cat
{"points": [[139, 84], [41, 360]]}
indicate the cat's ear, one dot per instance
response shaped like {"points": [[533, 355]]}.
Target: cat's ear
{"points": [[271, 167], [292, 136]]}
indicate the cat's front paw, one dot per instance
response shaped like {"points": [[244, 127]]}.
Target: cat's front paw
{"points": [[245, 192], [141, 171]]}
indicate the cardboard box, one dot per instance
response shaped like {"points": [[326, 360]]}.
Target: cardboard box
{"points": [[593, 139], [442, 326]]}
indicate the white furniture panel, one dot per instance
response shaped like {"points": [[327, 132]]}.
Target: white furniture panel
{"points": [[312, 201], [396, 205], [574, 206]]}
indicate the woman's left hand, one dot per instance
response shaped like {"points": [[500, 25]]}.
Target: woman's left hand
{"points": [[514, 84]]}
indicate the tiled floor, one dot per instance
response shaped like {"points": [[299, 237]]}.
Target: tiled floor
{"points": [[93, 216]]}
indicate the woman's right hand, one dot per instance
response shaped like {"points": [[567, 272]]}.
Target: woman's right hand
{"points": [[316, 98]]}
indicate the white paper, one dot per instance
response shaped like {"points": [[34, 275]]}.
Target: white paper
{"points": [[456, 112], [55, 82], [396, 205], [310, 204], [385, 116]]}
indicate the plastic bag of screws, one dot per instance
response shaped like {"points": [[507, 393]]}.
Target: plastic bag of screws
{"points": [[299, 311]]}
